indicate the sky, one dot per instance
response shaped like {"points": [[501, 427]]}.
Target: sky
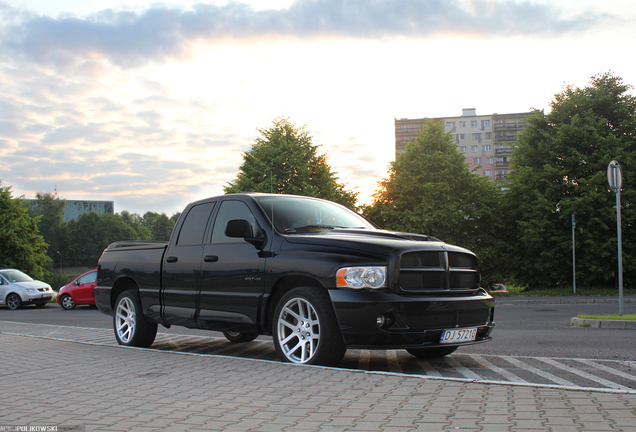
{"points": [[152, 104]]}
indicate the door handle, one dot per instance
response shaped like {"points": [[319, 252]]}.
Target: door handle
{"points": [[172, 259], [210, 258]]}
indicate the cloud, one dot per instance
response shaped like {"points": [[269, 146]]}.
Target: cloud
{"points": [[132, 39]]}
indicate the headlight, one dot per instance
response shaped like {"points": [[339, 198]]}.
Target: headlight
{"points": [[31, 290], [361, 277]]}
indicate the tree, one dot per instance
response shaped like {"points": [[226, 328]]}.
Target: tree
{"points": [[430, 190], [92, 233], [284, 160], [51, 225], [136, 222], [159, 225], [560, 166], [21, 246]]}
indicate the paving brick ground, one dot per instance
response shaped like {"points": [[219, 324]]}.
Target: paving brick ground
{"points": [[100, 388]]}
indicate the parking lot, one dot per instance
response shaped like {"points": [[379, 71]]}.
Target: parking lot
{"points": [[74, 376]]}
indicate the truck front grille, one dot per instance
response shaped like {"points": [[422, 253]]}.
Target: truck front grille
{"points": [[438, 271]]}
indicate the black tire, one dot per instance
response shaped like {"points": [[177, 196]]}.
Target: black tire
{"points": [[13, 301], [239, 337], [40, 305], [67, 303], [305, 328], [129, 323], [434, 352]]}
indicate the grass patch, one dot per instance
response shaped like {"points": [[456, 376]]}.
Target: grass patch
{"points": [[629, 317], [561, 292]]}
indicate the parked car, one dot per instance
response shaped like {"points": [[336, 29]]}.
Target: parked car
{"points": [[311, 273], [18, 289], [78, 292]]}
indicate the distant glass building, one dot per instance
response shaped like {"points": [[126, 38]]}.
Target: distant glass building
{"points": [[485, 140], [74, 209]]}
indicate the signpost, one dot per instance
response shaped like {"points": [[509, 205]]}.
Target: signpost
{"points": [[573, 255], [615, 180]]}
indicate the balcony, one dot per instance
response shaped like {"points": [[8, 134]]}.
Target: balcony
{"points": [[505, 138], [510, 126], [503, 151]]}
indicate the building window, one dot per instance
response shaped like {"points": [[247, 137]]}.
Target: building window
{"points": [[488, 135], [486, 173], [462, 149], [485, 123], [490, 160], [473, 123], [462, 124], [477, 161], [473, 149], [459, 137], [486, 148], [450, 125]]}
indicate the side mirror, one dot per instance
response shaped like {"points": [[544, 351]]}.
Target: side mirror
{"points": [[240, 228]]}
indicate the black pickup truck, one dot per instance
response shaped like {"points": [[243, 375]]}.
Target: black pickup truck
{"points": [[316, 276]]}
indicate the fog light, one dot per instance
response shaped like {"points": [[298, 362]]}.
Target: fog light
{"points": [[385, 320]]}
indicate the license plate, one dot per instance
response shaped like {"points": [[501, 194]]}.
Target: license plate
{"points": [[459, 335]]}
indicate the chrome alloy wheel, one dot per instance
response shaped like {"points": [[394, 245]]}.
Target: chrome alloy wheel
{"points": [[13, 301], [298, 330], [125, 320]]}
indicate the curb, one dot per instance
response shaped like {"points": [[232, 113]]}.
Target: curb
{"points": [[607, 324], [563, 300]]}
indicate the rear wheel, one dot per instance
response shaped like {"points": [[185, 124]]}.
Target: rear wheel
{"points": [[305, 328], [131, 327], [434, 352], [239, 337], [14, 301], [67, 302]]}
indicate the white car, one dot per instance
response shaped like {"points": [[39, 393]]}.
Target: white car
{"points": [[17, 289]]}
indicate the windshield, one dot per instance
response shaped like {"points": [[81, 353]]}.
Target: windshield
{"points": [[292, 214], [15, 276]]}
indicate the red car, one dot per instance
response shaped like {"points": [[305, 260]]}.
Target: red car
{"points": [[78, 292]]}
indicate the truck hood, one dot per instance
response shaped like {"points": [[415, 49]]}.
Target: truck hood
{"points": [[371, 240]]}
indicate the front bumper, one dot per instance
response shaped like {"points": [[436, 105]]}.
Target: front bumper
{"points": [[36, 298], [412, 322]]}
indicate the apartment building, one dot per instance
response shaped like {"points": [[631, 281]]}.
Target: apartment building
{"points": [[485, 140]]}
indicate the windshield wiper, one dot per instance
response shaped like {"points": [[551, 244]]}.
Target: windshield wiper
{"points": [[309, 228]]}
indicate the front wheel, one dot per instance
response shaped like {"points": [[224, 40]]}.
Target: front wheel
{"points": [[67, 302], [239, 337], [131, 327], [434, 352], [305, 328], [14, 301]]}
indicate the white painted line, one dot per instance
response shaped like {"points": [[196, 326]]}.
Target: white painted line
{"points": [[501, 371], [392, 360], [428, 368], [602, 381], [534, 370], [607, 369], [462, 369]]}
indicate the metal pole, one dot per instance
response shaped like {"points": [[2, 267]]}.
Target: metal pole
{"points": [[573, 255], [620, 251]]}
